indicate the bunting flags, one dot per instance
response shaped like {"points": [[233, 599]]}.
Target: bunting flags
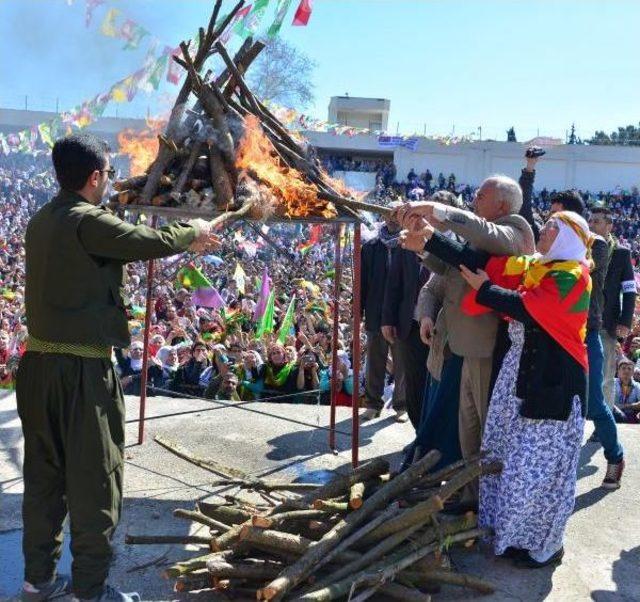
{"points": [[266, 324], [281, 13], [287, 322], [303, 13], [108, 27], [132, 33], [90, 6], [174, 71]]}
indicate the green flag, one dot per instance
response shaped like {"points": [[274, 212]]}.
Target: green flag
{"points": [[281, 13], [287, 322], [266, 321], [190, 276]]}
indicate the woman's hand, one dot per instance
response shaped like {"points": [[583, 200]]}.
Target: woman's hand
{"points": [[474, 279]]}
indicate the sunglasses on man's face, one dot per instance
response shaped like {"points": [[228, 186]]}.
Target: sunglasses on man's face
{"points": [[111, 172]]}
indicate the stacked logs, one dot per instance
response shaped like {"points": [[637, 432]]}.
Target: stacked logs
{"points": [[360, 533], [197, 161]]}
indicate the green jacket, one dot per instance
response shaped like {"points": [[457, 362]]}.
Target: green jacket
{"points": [[75, 276]]}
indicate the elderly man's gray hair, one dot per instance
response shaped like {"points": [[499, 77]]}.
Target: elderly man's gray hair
{"points": [[507, 190]]}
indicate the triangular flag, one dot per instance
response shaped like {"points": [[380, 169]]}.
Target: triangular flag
{"points": [[132, 33], [301, 18], [264, 295], [287, 322], [190, 276], [91, 5], [45, 134], [266, 324]]}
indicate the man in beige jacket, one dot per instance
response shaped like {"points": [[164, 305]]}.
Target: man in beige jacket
{"points": [[494, 227]]}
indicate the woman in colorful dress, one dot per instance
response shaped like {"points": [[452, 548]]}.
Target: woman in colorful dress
{"points": [[536, 414]]}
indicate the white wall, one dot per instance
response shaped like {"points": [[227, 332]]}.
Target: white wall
{"points": [[362, 181], [592, 168]]}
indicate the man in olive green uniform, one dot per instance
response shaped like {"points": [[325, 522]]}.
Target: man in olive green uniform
{"points": [[69, 398]]}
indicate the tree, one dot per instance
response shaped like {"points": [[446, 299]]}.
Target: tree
{"points": [[572, 136], [628, 135], [282, 73], [511, 135]]}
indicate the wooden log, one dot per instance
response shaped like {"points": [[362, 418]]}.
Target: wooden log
{"points": [[331, 506], [396, 591], [206, 463], [320, 551], [286, 542], [230, 216], [383, 570], [390, 543], [421, 513], [230, 515], [355, 495], [275, 520], [197, 517], [200, 579], [220, 180], [129, 183], [165, 154], [247, 569], [164, 539], [426, 578], [226, 540], [341, 483], [194, 153], [192, 564], [435, 479]]}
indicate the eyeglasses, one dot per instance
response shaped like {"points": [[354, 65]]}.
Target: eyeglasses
{"points": [[111, 172]]}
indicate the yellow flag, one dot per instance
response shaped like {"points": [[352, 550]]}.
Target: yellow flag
{"points": [[108, 26], [239, 277]]}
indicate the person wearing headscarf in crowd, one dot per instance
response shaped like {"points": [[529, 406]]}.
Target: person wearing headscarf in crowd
{"points": [[187, 376], [537, 411], [277, 376]]}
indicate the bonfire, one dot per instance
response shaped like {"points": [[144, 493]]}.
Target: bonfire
{"points": [[223, 152]]}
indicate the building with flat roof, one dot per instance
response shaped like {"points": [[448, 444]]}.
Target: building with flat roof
{"points": [[360, 112]]}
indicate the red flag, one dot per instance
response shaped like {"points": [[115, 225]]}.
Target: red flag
{"points": [[301, 18]]}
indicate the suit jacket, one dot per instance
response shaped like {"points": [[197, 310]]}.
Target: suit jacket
{"points": [[475, 336], [375, 260], [405, 278], [619, 281]]}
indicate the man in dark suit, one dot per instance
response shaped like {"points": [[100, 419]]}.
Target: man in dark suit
{"points": [[400, 328], [619, 297], [375, 263]]}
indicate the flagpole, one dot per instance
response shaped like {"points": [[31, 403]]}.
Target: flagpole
{"points": [[355, 394], [334, 339], [145, 343]]}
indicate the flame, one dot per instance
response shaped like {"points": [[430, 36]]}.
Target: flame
{"points": [[141, 146], [295, 197]]}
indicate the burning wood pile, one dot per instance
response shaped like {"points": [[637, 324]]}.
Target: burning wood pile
{"points": [[228, 153], [361, 533]]}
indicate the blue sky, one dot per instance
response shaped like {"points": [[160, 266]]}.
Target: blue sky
{"points": [[536, 64]]}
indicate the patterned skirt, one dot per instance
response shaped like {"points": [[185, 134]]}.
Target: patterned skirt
{"points": [[529, 503]]}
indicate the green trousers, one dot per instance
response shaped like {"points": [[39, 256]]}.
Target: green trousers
{"points": [[72, 413]]}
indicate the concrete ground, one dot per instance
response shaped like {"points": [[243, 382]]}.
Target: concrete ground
{"points": [[602, 560]]}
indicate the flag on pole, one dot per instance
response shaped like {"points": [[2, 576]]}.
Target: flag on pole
{"points": [[264, 295], [281, 13], [301, 18], [266, 325], [287, 322], [239, 276], [208, 297], [205, 294]]}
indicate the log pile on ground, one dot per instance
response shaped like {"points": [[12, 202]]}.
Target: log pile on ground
{"points": [[225, 153], [362, 533]]}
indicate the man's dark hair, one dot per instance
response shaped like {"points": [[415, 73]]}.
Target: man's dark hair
{"points": [[570, 201], [76, 157], [605, 212]]}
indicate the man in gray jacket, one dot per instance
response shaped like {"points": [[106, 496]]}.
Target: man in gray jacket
{"points": [[494, 227]]}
